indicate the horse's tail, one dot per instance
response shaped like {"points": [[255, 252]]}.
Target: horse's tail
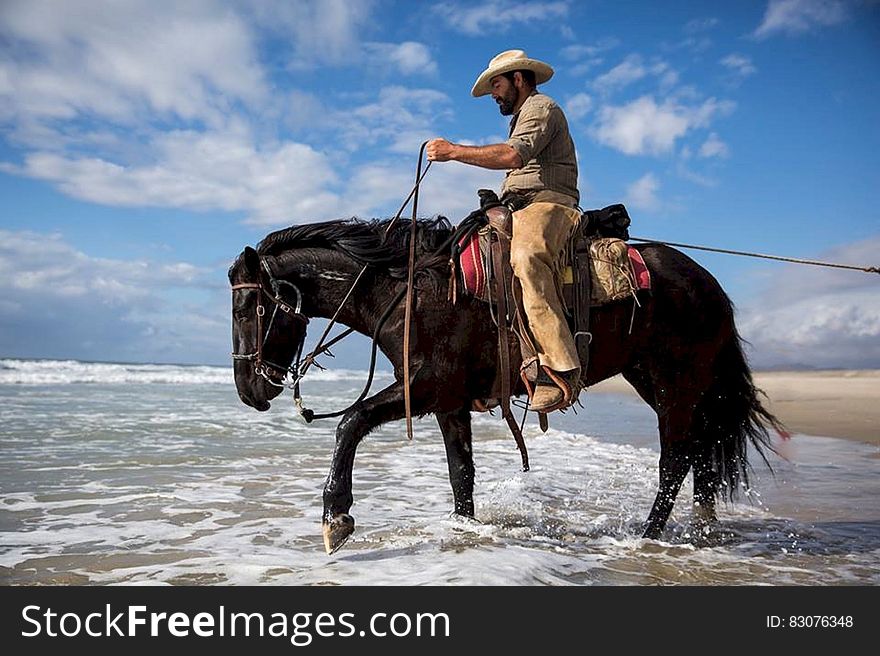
{"points": [[731, 415]]}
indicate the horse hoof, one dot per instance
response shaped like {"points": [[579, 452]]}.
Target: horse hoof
{"points": [[336, 531]]}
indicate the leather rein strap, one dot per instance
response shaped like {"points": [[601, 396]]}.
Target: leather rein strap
{"points": [[500, 253], [410, 285]]}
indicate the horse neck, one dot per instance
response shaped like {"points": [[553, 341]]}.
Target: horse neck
{"points": [[325, 278]]}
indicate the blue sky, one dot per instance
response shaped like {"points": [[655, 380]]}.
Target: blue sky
{"points": [[144, 143]]}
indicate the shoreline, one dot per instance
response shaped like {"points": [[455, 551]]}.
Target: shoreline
{"points": [[836, 403]]}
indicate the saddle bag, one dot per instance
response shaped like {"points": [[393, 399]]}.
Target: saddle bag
{"points": [[610, 271]]}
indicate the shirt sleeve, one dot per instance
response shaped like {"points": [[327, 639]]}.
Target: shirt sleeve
{"points": [[534, 129]]}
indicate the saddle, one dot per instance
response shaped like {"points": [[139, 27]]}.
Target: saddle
{"points": [[599, 268]]}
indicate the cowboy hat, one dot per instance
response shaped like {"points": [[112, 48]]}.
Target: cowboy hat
{"points": [[510, 60]]}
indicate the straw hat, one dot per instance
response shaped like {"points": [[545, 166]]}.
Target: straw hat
{"points": [[510, 60]]}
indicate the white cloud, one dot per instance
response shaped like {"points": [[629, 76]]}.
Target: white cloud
{"points": [[331, 33], [401, 118], [46, 265], [128, 314], [628, 71], [740, 65], [642, 194], [498, 15], [272, 182], [696, 44], [397, 119], [700, 25], [285, 183], [144, 103], [632, 69], [586, 66], [818, 317], [409, 57], [578, 51], [125, 60], [799, 16], [578, 106], [697, 40], [378, 189], [692, 176], [322, 31], [714, 147], [644, 127], [668, 77], [449, 188]]}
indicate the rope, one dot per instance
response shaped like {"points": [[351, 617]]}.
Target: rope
{"points": [[761, 255]]}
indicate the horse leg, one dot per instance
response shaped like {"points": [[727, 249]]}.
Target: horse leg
{"points": [[676, 402], [705, 483], [456, 429], [641, 382], [705, 476], [385, 406], [674, 466], [674, 453]]}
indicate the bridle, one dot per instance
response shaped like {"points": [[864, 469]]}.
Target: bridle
{"points": [[294, 311]]}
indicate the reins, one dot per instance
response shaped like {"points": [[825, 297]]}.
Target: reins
{"points": [[309, 360], [466, 227], [320, 347], [410, 278]]}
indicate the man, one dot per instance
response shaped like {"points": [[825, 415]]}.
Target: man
{"points": [[542, 169]]}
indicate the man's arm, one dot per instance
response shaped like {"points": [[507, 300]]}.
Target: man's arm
{"points": [[494, 156]]}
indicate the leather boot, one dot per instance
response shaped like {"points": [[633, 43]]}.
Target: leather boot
{"points": [[549, 394]]}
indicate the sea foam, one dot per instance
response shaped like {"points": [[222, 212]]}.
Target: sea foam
{"points": [[63, 372]]}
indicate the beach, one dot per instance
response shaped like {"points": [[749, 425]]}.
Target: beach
{"points": [[158, 474], [839, 403]]}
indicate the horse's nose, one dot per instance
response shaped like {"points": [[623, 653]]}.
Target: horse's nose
{"points": [[261, 405]]}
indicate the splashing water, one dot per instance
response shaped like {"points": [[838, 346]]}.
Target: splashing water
{"points": [[158, 474]]}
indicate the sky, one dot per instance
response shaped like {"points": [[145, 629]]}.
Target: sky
{"points": [[144, 143]]}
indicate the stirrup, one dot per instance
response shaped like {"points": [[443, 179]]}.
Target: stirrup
{"points": [[569, 395]]}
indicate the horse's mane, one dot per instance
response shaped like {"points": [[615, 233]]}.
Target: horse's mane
{"points": [[367, 241]]}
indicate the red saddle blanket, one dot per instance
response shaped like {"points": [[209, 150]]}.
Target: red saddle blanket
{"points": [[473, 266], [474, 276], [641, 274]]}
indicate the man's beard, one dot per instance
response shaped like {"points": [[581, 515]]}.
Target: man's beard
{"points": [[507, 103]]}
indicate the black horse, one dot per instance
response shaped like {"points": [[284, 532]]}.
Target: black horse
{"points": [[680, 351]]}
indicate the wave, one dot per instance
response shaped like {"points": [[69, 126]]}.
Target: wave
{"points": [[66, 372]]}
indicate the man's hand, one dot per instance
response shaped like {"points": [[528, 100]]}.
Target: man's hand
{"points": [[440, 150]]}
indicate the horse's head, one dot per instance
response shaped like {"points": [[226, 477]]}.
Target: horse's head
{"points": [[268, 328]]}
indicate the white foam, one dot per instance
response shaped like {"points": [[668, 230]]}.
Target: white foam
{"points": [[64, 372], [240, 502]]}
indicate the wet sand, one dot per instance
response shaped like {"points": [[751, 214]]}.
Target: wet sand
{"points": [[843, 403]]}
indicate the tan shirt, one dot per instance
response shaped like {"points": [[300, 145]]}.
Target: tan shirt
{"points": [[539, 133]]}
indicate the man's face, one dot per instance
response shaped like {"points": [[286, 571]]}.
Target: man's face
{"points": [[505, 94]]}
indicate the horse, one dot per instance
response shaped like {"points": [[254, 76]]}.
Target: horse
{"points": [[678, 347]]}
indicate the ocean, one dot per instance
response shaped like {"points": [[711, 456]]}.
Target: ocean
{"points": [[158, 474]]}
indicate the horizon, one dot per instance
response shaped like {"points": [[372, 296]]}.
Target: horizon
{"points": [[802, 368], [145, 143]]}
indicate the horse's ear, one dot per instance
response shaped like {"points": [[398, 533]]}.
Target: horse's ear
{"points": [[251, 259]]}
